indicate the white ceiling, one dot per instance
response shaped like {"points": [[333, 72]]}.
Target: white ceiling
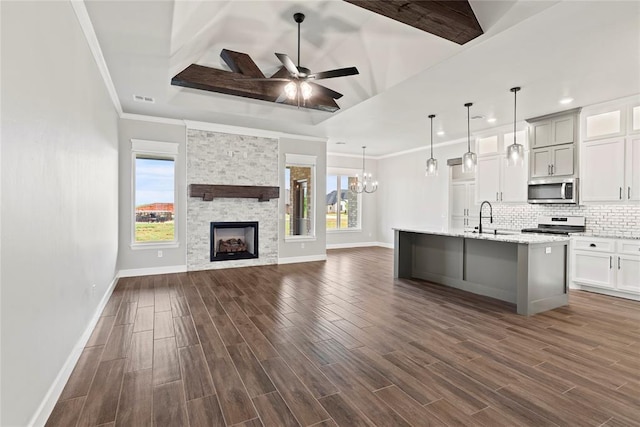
{"points": [[587, 50]]}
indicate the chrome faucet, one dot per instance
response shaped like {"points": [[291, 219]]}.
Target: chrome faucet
{"points": [[490, 215]]}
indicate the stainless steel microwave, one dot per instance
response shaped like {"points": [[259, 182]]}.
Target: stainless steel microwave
{"points": [[553, 190]]}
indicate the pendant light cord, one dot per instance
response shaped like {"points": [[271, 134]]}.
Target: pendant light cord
{"points": [[468, 130], [431, 116], [298, 45]]}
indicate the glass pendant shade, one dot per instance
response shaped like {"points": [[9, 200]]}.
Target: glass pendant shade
{"points": [[432, 167], [515, 151], [291, 90], [469, 161], [515, 155]]}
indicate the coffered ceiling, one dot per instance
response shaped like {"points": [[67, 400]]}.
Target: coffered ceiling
{"points": [[587, 50]]}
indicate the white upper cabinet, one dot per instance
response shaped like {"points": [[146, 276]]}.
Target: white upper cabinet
{"points": [[513, 181], [488, 178], [552, 140], [553, 131], [610, 152], [488, 145]]}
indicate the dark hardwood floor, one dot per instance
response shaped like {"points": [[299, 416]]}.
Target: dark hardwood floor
{"points": [[342, 343]]}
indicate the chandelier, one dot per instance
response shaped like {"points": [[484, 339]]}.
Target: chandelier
{"points": [[366, 184]]}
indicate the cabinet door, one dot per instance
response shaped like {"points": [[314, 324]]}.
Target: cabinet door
{"points": [[593, 268], [488, 179], [472, 206], [602, 170], [540, 134], [514, 181], [628, 276], [562, 163], [458, 222], [458, 199], [540, 163], [633, 169], [563, 130]]}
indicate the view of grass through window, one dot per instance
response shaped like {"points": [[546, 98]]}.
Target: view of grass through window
{"points": [[341, 204], [154, 199]]}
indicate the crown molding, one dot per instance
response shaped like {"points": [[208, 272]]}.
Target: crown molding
{"points": [[80, 10], [152, 119], [241, 130]]}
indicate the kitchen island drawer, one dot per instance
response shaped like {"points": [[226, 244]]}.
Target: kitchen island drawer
{"points": [[594, 244]]}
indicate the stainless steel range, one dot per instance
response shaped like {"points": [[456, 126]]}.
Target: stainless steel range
{"points": [[558, 225]]}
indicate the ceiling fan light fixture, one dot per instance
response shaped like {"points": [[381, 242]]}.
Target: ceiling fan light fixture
{"points": [[291, 90], [306, 89]]}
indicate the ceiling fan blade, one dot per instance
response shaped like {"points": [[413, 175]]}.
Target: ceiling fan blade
{"points": [[265, 79], [288, 63], [340, 72], [329, 92]]}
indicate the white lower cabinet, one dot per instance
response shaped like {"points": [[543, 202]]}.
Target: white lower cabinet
{"points": [[611, 266]]}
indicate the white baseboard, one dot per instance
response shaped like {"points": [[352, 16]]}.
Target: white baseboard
{"points": [[359, 245], [296, 259], [133, 272], [51, 398]]}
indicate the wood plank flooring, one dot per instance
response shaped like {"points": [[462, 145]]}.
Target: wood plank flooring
{"points": [[343, 343]]}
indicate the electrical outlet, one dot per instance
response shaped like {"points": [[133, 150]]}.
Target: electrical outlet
{"points": [[547, 250], [302, 245], [159, 254]]}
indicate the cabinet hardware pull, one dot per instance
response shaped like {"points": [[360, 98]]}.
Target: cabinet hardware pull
{"points": [[548, 169], [501, 196], [593, 245], [620, 193], [618, 263], [553, 172], [610, 261], [629, 193], [497, 196]]}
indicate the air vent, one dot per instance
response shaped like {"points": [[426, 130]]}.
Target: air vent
{"points": [[140, 98]]}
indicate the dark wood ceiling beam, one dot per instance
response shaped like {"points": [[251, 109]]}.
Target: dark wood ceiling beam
{"points": [[241, 63], [453, 20]]}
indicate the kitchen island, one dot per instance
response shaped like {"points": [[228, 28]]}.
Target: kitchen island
{"points": [[529, 270]]}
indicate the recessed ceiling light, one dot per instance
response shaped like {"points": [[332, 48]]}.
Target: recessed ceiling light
{"points": [[440, 133], [491, 120], [565, 101]]}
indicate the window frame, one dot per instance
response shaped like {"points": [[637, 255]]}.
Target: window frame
{"points": [[301, 160], [348, 172], [161, 151]]}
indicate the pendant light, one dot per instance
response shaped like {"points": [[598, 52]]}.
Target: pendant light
{"points": [[469, 159], [366, 184], [432, 164], [515, 151]]}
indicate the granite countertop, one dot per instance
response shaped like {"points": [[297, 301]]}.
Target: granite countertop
{"points": [[606, 236], [508, 236]]}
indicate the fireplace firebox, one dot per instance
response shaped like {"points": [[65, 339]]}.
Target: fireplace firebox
{"points": [[234, 240]]}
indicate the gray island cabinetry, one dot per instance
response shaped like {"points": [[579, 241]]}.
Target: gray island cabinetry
{"points": [[529, 270]]}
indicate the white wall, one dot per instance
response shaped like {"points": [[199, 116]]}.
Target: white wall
{"points": [[135, 260], [309, 249], [59, 198], [369, 228], [407, 198]]}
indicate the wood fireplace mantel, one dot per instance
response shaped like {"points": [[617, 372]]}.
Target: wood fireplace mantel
{"points": [[209, 192]]}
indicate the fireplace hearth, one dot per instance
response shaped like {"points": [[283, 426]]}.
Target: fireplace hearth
{"points": [[234, 240]]}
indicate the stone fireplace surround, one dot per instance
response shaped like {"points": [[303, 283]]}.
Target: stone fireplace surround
{"points": [[227, 159]]}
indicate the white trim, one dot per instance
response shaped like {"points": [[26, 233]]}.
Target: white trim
{"points": [[351, 245], [297, 259], [137, 246], [385, 245], [241, 130], [299, 238], [300, 159], [51, 398], [603, 291], [344, 230], [150, 271], [355, 156], [153, 119], [343, 171], [92, 40], [400, 153], [160, 147]]}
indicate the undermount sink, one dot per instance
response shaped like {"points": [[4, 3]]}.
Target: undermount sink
{"points": [[503, 233]]}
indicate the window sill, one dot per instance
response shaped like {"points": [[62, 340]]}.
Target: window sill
{"points": [[344, 230], [154, 245], [289, 239]]}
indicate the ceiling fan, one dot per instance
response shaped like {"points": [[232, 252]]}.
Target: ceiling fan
{"points": [[300, 85]]}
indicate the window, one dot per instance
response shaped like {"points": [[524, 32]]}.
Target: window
{"points": [[342, 212], [299, 184], [153, 192]]}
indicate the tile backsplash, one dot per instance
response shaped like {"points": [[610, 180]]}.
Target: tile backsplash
{"points": [[610, 220]]}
